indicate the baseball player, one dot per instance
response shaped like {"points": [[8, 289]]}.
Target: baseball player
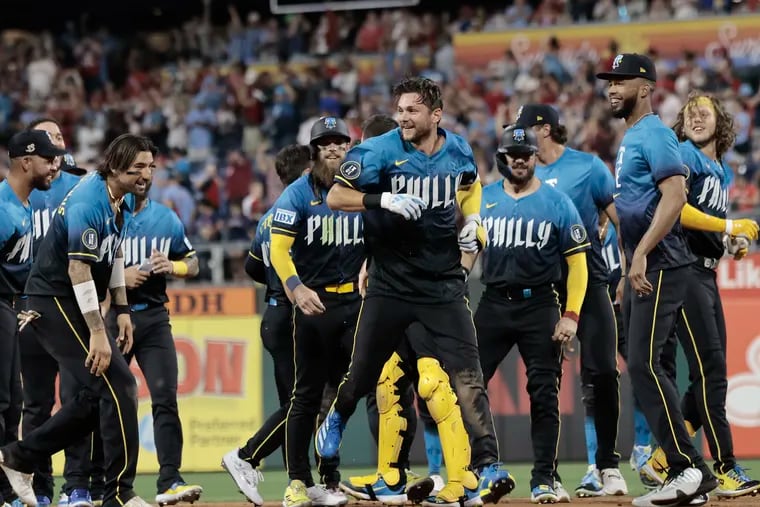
{"points": [[409, 182], [79, 260], [706, 132], [33, 165], [531, 229], [650, 179], [155, 246], [587, 181], [277, 335], [38, 368], [317, 254], [393, 424], [591, 484]]}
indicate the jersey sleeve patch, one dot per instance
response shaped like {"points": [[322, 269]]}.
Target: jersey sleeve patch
{"points": [[90, 238], [578, 233], [350, 170], [284, 216]]}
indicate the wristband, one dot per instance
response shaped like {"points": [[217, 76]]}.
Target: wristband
{"points": [[293, 282], [121, 309], [371, 201], [179, 268], [86, 296], [571, 315], [117, 274], [729, 226]]}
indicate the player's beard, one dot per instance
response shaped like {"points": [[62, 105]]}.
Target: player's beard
{"points": [[627, 105], [43, 182], [418, 133], [323, 172], [144, 193], [521, 180]]}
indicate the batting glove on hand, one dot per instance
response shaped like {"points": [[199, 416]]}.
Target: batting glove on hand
{"points": [[472, 237], [407, 205], [738, 246], [743, 227]]}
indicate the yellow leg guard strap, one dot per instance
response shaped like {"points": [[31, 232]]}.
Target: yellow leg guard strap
{"points": [[435, 389]]}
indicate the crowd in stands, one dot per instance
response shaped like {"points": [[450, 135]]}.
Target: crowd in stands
{"points": [[220, 101]]}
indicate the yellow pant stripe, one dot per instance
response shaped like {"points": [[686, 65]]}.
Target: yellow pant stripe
{"points": [[113, 395], [266, 439], [719, 457], [557, 388], [651, 367]]}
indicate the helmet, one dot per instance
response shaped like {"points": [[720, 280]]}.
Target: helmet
{"points": [[329, 126], [517, 139]]}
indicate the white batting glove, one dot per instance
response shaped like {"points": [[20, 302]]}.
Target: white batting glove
{"points": [[468, 236], [407, 205]]}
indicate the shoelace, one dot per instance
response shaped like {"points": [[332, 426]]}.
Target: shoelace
{"points": [[739, 474], [493, 467], [252, 476]]}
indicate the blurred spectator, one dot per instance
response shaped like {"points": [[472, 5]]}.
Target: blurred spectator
{"points": [[219, 101], [518, 14], [254, 205], [744, 195]]}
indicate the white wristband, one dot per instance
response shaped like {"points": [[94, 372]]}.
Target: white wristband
{"points": [[87, 297], [117, 274], [475, 217], [729, 226]]}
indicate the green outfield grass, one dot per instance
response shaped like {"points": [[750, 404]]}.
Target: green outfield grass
{"points": [[218, 487]]}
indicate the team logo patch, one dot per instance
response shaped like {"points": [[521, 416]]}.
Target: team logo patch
{"points": [[30, 148], [90, 239], [285, 216], [688, 171], [352, 169], [617, 61], [578, 233], [330, 122], [518, 135], [69, 160]]}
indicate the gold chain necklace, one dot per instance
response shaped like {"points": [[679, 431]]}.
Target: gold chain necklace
{"points": [[114, 201]]}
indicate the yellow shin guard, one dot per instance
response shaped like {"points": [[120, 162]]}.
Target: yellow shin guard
{"points": [[390, 425], [435, 389]]}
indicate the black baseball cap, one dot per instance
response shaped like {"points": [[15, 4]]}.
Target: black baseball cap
{"points": [[537, 114], [33, 142], [70, 166], [630, 65]]}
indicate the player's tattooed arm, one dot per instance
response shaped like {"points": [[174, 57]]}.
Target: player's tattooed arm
{"points": [[118, 288], [117, 285], [86, 294], [191, 268]]}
